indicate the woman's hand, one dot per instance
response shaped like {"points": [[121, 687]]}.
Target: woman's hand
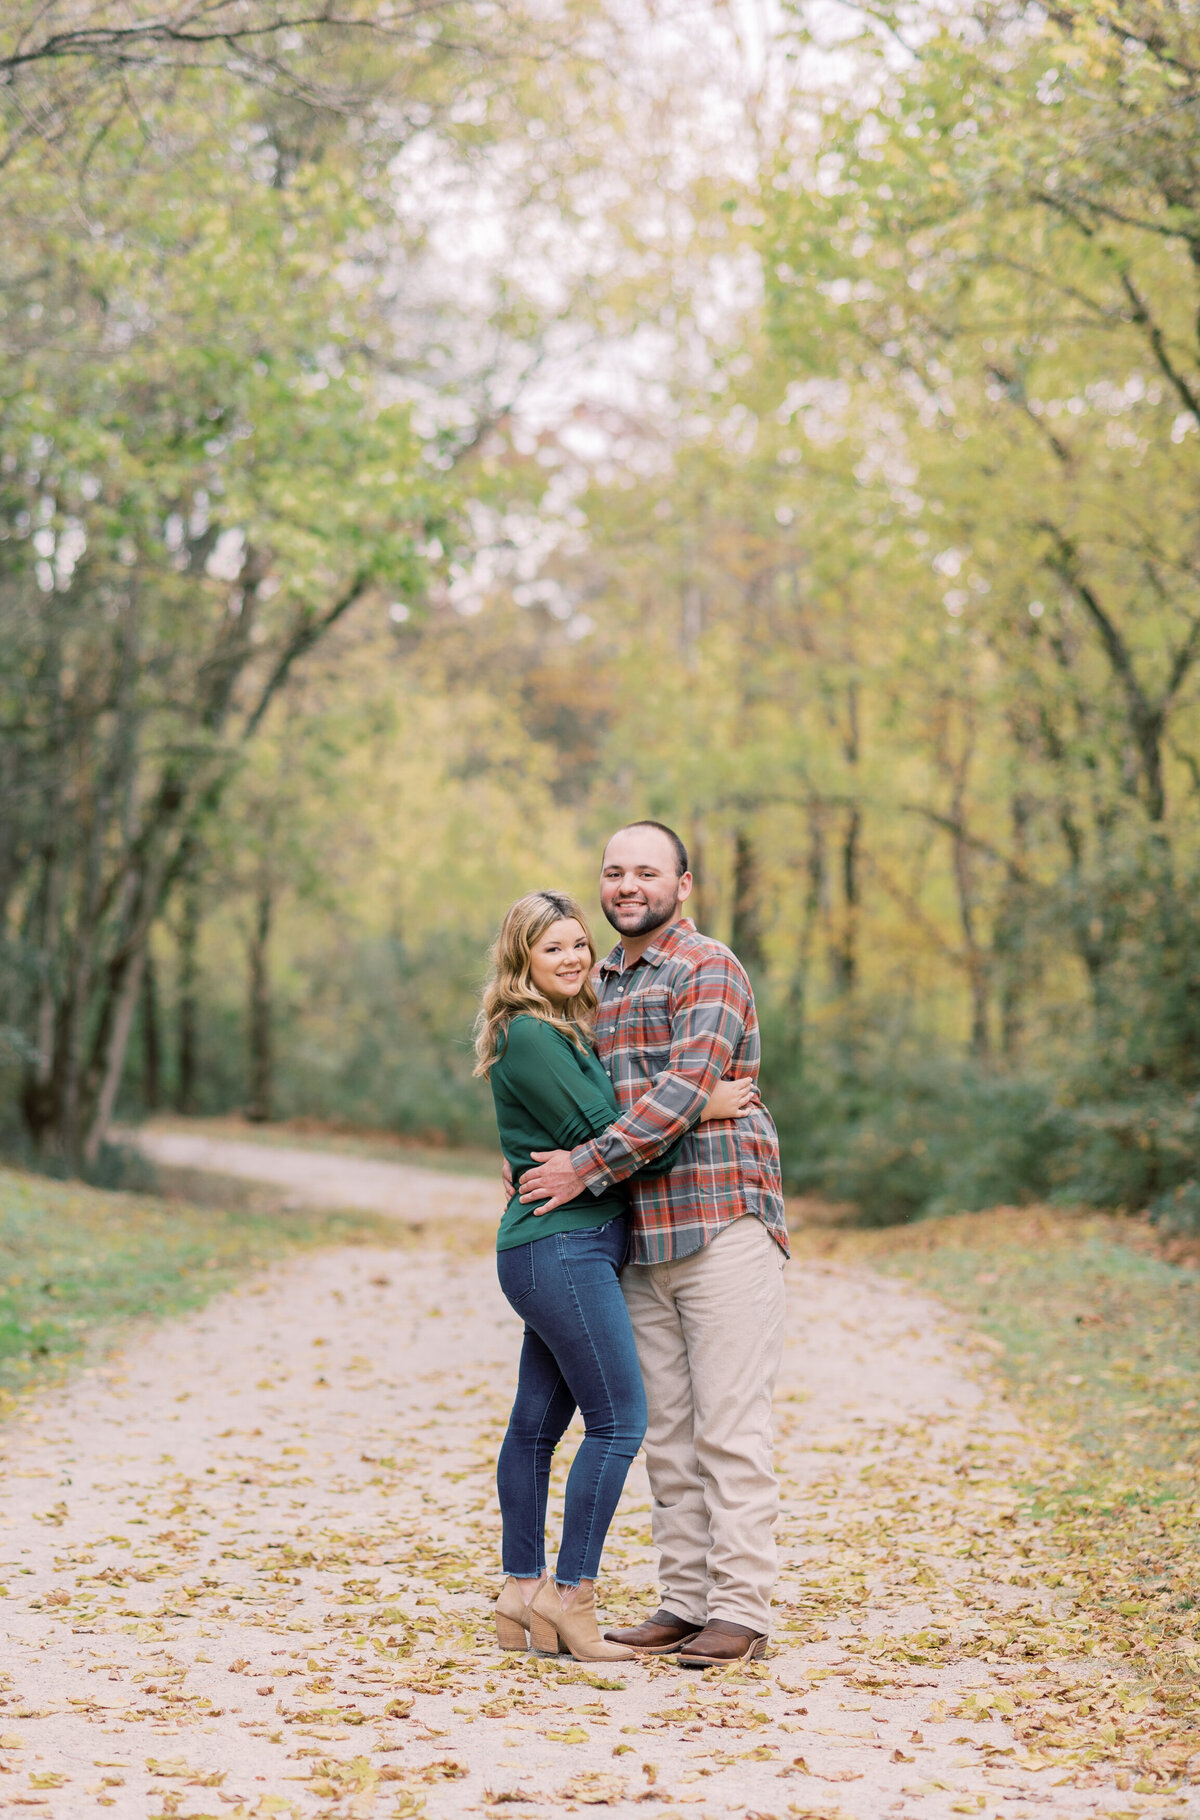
{"points": [[729, 1100]]}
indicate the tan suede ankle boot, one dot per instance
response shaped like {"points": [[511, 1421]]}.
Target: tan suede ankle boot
{"points": [[551, 1623], [512, 1617]]}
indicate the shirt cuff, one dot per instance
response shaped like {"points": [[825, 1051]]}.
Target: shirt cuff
{"points": [[588, 1166]]}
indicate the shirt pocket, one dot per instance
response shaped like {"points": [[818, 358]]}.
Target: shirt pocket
{"points": [[654, 1029]]}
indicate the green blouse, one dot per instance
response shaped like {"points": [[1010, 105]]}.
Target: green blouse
{"points": [[549, 1095]]}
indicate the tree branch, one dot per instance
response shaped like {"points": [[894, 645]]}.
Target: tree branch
{"points": [[1188, 760], [1154, 43], [1096, 205], [952, 825], [913, 910], [309, 630], [1065, 564], [202, 27], [1145, 719], [1144, 320], [1015, 390], [1185, 657]]}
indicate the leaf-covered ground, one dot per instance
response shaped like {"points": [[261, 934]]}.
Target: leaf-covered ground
{"points": [[75, 1264], [1098, 1334], [246, 1570]]}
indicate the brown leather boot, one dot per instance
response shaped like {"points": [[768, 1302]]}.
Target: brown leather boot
{"points": [[720, 1642], [660, 1635]]}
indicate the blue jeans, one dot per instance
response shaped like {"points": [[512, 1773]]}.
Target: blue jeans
{"points": [[578, 1353]]}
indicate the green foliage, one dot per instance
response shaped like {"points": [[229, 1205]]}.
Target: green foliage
{"points": [[905, 1135], [1129, 1153], [886, 595], [983, 291], [216, 387], [1177, 1213], [1146, 992], [940, 1138], [406, 1056], [189, 500], [380, 1038], [1008, 301]]}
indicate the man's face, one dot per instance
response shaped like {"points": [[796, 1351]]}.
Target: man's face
{"points": [[640, 889]]}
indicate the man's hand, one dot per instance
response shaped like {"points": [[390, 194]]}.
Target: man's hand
{"points": [[506, 1178], [553, 1175]]}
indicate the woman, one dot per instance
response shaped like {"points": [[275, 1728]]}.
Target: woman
{"points": [[560, 1272]]}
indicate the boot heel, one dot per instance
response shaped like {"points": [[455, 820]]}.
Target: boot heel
{"points": [[509, 1634], [554, 1626], [542, 1635]]}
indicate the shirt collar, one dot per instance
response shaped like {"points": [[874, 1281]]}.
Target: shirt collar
{"points": [[658, 951]]}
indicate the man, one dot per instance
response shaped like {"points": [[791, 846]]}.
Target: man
{"points": [[704, 1284]]}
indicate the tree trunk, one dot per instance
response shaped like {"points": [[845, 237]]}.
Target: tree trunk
{"points": [[261, 1070], [845, 945], [188, 1013], [1008, 941], [699, 906], [124, 1008], [137, 892], [125, 843], [814, 899], [796, 1004], [845, 948], [691, 625], [977, 972], [746, 933], [151, 1039], [40, 1090]]}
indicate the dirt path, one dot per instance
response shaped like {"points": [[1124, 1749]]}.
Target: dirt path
{"points": [[247, 1567], [329, 1179]]}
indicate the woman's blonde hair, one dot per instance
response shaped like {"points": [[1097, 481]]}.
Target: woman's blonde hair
{"points": [[510, 991]]}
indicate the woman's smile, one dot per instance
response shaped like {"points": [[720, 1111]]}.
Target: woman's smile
{"points": [[560, 959]]}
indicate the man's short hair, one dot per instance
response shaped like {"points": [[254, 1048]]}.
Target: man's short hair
{"points": [[681, 852]]}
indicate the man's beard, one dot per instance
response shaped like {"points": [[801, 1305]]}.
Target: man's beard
{"points": [[652, 917]]}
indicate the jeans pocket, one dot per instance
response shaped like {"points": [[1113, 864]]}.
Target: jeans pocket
{"points": [[514, 1268], [614, 1237]]}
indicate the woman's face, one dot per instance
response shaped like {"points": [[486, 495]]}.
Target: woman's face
{"points": [[559, 960]]}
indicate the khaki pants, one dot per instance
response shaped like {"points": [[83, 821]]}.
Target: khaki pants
{"points": [[709, 1332]]}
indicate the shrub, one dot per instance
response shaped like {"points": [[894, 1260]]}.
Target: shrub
{"points": [[938, 1137], [905, 1135], [1178, 1212], [1127, 1153]]}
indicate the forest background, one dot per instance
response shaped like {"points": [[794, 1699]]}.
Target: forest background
{"points": [[430, 436]]}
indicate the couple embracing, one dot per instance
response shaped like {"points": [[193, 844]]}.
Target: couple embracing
{"points": [[643, 1248]]}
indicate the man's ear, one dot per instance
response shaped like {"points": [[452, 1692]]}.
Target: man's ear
{"points": [[684, 889]]}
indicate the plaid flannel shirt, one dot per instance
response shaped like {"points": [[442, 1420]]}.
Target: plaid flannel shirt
{"points": [[669, 1027]]}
